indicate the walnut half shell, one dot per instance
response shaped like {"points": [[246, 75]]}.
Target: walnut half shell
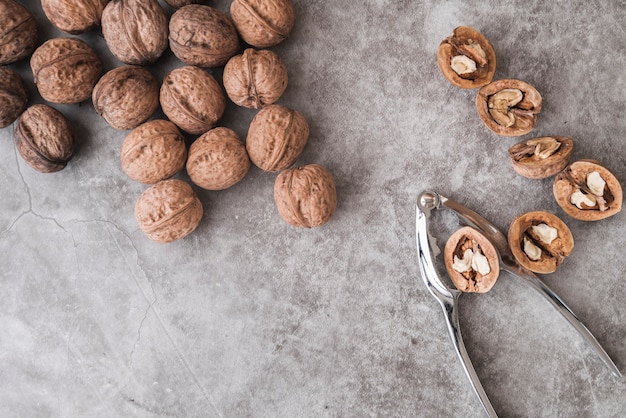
{"points": [[542, 157]]}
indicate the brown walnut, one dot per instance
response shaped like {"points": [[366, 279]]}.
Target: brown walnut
{"points": [[466, 58], [217, 159], [276, 138], [177, 4], [44, 138], [126, 96], [18, 32], [153, 151], [13, 97], [471, 260], [305, 196], [255, 79], [263, 23], [538, 158], [74, 16], [169, 210]]}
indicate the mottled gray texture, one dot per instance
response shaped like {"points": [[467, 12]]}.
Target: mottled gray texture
{"points": [[249, 316]]}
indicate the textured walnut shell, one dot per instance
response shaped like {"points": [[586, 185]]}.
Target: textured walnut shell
{"points": [[263, 23], [135, 30], [276, 138], [177, 4], [217, 159], [169, 210], [574, 177], [44, 138], [192, 99], [471, 281], [203, 36], [255, 79], [65, 70], [455, 45], [13, 97], [305, 196], [18, 32], [126, 96], [553, 254], [526, 162], [153, 151], [525, 112], [74, 16]]}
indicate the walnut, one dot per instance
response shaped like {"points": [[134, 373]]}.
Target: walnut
{"points": [[542, 157], [153, 151], [44, 138], [169, 210], [135, 30], [18, 32], [263, 23], [217, 160], [203, 36], [74, 16], [305, 196], [255, 79], [13, 97], [276, 137], [177, 4], [65, 70], [471, 260], [126, 96], [192, 99], [466, 58]]}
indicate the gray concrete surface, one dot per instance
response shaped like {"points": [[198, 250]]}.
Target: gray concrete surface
{"points": [[249, 316]]}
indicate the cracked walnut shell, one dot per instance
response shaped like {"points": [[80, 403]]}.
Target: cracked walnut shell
{"points": [[18, 32], [13, 97], [538, 158], [263, 23], [74, 16]]}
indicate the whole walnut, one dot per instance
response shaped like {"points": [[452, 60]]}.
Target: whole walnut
{"points": [[13, 97], [74, 16], [169, 210], [276, 137], [263, 23], [153, 151], [255, 79], [203, 36], [44, 138], [305, 196], [65, 70], [135, 30], [126, 96], [192, 99], [18, 32], [217, 160]]}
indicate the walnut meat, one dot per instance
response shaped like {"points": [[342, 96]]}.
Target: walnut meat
{"points": [[263, 23], [18, 32], [203, 36], [135, 30], [126, 96], [13, 97], [65, 70], [217, 160], [305, 196], [153, 151], [276, 138], [538, 158], [74, 16], [44, 138], [169, 210], [255, 79]]}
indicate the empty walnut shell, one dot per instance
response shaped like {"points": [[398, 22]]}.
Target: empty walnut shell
{"points": [[538, 158], [466, 58], [305, 196], [203, 36], [153, 151], [126, 96], [65, 70], [540, 241], [74, 16], [263, 23], [509, 107], [13, 97], [476, 271], [255, 79], [135, 30], [44, 138], [587, 191], [169, 210], [18, 32], [276, 138], [192, 99]]}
